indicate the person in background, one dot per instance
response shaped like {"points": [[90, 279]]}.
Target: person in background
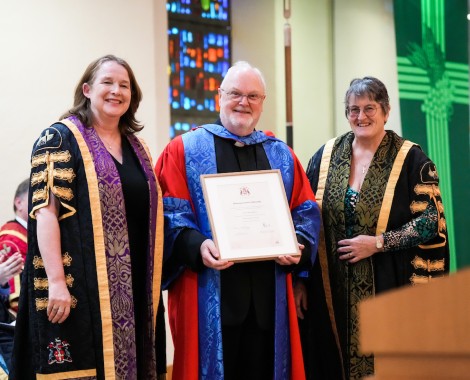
{"points": [[231, 321], [13, 248], [91, 281], [383, 227], [13, 238]]}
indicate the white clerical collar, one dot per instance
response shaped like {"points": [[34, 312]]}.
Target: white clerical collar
{"points": [[22, 222]]}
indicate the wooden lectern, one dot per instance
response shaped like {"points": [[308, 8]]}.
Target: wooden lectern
{"points": [[420, 332]]}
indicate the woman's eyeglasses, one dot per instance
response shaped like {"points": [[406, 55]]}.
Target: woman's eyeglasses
{"points": [[354, 112]]}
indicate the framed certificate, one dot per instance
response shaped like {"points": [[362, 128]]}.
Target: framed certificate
{"points": [[249, 215]]}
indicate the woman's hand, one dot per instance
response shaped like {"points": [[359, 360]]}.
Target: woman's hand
{"points": [[60, 301], [357, 248]]}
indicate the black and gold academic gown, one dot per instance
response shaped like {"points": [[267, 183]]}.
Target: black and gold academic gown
{"points": [[400, 183], [98, 339]]}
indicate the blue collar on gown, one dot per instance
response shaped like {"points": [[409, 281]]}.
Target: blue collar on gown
{"points": [[255, 138]]}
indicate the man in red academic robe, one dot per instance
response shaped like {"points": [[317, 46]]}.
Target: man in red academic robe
{"points": [[231, 321]]}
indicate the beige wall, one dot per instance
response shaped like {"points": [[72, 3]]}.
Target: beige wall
{"points": [[333, 41], [364, 44], [46, 46], [258, 37]]}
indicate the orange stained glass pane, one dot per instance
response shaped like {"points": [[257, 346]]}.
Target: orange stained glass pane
{"points": [[212, 84], [212, 55], [216, 99]]}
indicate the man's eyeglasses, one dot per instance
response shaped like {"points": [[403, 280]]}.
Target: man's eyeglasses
{"points": [[237, 97], [354, 112]]}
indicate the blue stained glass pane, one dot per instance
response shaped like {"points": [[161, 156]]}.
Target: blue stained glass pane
{"points": [[199, 58], [194, 9], [182, 78]]}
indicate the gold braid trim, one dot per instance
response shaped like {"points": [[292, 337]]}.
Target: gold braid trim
{"points": [[158, 247], [428, 190], [440, 207], [41, 303], [100, 253], [62, 192], [39, 177], [442, 224], [40, 195], [66, 261], [39, 159], [44, 158], [43, 283], [428, 265], [322, 254], [419, 280], [37, 262], [391, 185], [64, 174], [418, 206], [62, 156], [83, 373], [48, 176]]}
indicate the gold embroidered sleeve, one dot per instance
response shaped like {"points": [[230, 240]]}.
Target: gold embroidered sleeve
{"points": [[53, 172]]}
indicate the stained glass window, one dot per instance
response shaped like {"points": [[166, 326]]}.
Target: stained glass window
{"points": [[199, 52]]}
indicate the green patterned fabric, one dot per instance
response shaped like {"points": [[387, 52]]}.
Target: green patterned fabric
{"points": [[433, 76], [363, 221]]}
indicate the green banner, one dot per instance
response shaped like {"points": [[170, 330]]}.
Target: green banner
{"points": [[433, 83]]}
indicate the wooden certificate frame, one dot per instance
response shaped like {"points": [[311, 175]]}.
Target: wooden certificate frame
{"points": [[249, 215]]}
